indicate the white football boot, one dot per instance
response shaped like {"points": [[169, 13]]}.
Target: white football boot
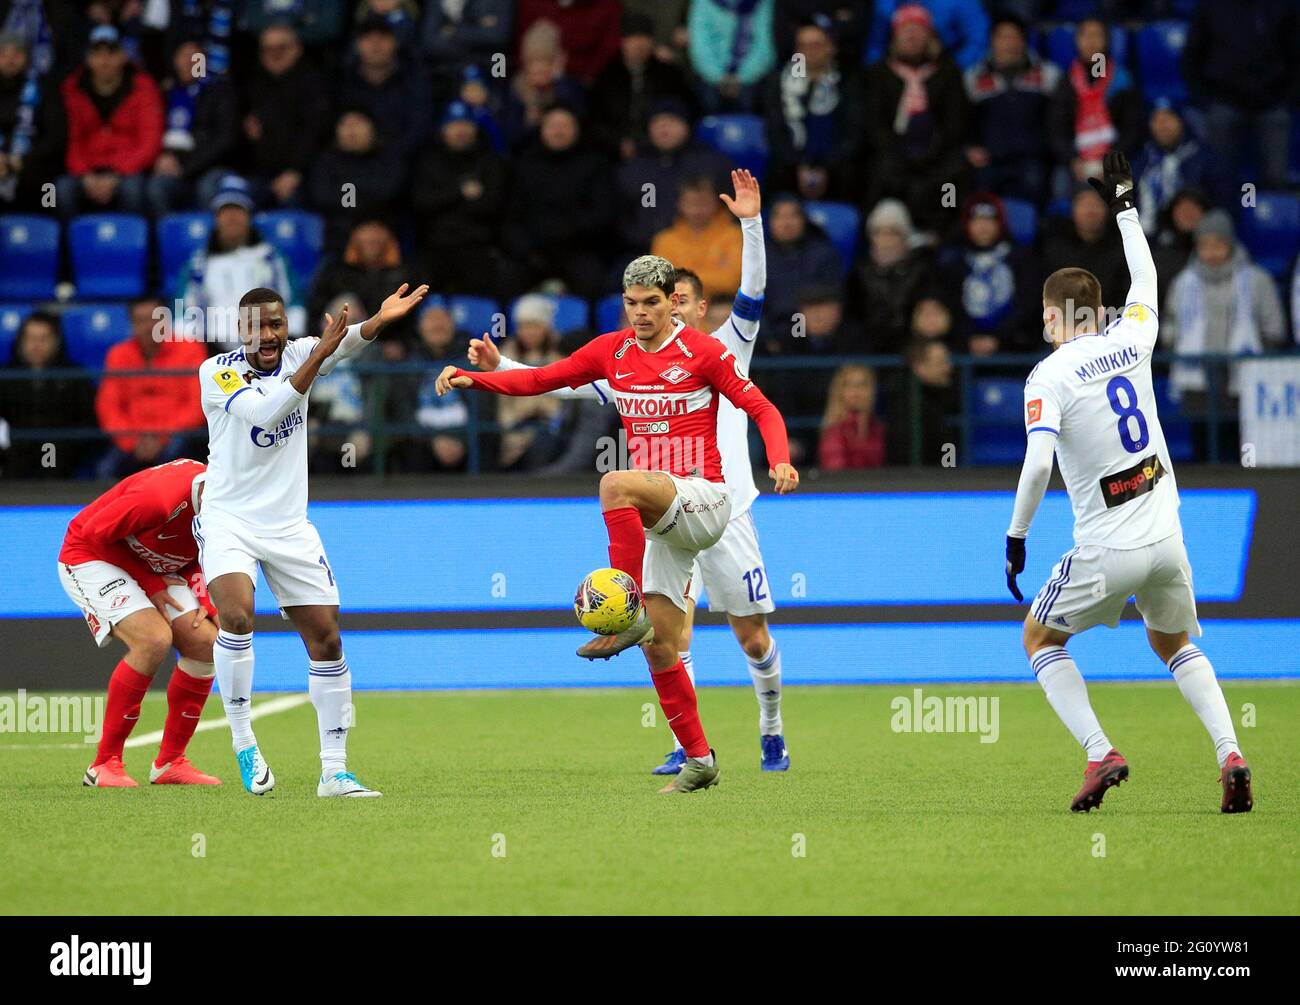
{"points": [[343, 783]]}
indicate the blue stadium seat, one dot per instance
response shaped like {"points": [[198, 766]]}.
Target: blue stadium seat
{"points": [[998, 444], [609, 313], [1060, 44], [1159, 52], [179, 236], [29, 257], [91, 329], [1177, 429], [740, 137], [299, 236], [1022, 220], [110, 255], [12, 317], [842, 223], [473, 314], [997, 434], [1271, 231], [997, 399], [572, 313]]}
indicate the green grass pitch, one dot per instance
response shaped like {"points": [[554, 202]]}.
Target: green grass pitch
{"points": [[541, 802]]}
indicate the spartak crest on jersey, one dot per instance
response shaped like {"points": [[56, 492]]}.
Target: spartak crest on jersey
{"points": [[675, 374]]}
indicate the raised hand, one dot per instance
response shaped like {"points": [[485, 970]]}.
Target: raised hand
{"points": [[399, 304], [483, 353], [1116, 183], [335, 329], [747, 201]]}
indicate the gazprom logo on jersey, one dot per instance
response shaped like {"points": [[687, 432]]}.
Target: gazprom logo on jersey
{"points": [[287, 427]]}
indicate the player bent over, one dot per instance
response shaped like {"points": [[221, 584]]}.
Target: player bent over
{"points": [[255, 514], [732, 570], [665, 378], [1091, 401], [127, 562]]}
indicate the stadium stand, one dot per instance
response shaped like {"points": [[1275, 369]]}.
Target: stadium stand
{"points": [[85, 267]]}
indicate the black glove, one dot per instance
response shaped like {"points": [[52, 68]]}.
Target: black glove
{"points": [[1015, 564], [1116, 184]]}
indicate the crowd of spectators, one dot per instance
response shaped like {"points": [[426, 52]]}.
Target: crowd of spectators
{"points": [[506, 147]]}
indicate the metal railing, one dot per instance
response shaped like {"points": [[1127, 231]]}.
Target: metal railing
{"points": [[1211, 416]]}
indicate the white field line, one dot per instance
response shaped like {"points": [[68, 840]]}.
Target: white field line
{"points": [[270, 707]]}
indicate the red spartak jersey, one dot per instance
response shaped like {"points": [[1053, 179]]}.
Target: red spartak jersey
{"points": [[142, 525], [668, 398]]}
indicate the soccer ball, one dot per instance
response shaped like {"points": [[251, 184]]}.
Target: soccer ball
{"points": [[607, 602]]}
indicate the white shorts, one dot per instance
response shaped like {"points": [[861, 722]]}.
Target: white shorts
{"points": [[1091, 585], [107, 594], [733, 572], [696, 520], [294, 563]]}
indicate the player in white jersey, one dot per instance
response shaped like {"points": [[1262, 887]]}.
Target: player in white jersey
{"points": [[1091, 403], [254, 514], [732, 570]]}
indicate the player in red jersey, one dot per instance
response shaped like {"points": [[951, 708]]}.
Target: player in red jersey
{"points": [[665, 378], [130, 563]]}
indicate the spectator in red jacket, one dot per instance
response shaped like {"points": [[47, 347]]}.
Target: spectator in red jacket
{"points": [[852, 436], [589, 31], [115, 129], [149, 416]]}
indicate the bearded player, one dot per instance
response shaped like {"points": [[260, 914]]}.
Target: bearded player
{"points": [[1091, 404], [732, 570], [665, 378], [128, 561], [255, 515]]}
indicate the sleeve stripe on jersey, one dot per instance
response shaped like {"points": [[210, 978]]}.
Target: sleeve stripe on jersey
{"points": [[748, 308], [740, 334], [596, 387], [1045, 429], [236, 395]]}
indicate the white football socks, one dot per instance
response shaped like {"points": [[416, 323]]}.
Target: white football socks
{"points": [[766, 675], [233, 657], [1068, 696], [330, 686], [1195, 676]]}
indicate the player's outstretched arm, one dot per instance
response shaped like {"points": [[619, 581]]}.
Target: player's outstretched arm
{"points": [[484, 354], [725, 373], [395, 307], [747, 310], [1117, 188], [582, 367]]}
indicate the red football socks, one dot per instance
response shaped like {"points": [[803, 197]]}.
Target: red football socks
{"points": [[677, 699], [126, 689], [185, 698], [626, 540]]}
